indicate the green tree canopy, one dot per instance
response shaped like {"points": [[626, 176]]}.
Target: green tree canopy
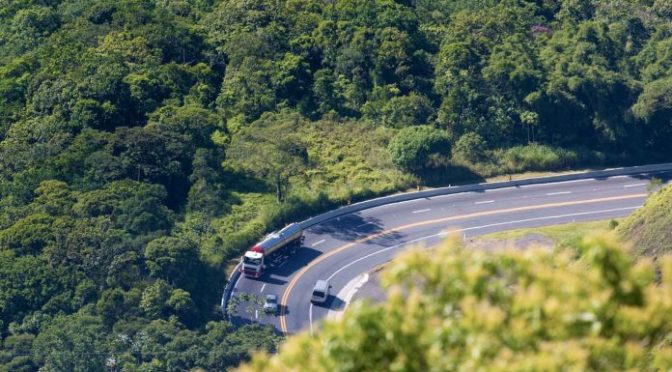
{"points": [[272, 150], [142, 137], [412, 147]]}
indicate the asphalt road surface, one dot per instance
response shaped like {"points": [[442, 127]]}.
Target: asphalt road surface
{"points": [[344, 248]]}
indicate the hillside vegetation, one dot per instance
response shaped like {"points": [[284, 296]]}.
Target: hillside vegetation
{"points": [[551, 237], [456, 309], [144, 144], [650, 227]]}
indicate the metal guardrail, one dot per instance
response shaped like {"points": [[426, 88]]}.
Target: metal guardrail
{"points": [[228, 291], [396, 198]]}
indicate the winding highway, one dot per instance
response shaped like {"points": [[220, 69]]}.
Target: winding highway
{"points": [[343, 248]]}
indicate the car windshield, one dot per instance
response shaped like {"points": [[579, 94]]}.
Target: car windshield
{"points": [[271, 299], [252, 261], [318, 293]]}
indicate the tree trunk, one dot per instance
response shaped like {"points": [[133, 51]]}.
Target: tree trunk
{"points": [[533, 140], [278, 188], [528, 134]]}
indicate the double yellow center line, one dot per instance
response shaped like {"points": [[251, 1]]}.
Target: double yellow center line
{"points": [[295, 279]]}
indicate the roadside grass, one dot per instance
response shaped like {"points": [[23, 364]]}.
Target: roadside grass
{"points": [[650, 227], [565, 235]]}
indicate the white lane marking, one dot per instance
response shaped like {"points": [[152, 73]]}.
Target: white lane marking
{"points": [[634, 185], [347, 293], [484, 202], [278, 277], [421, 211], [310, 317], [558, 193], [445, 233], [515, 187], [579, 180], [553, 183], [256, 314], [310, 311], [364, 224], [262, 288], [318, 242]]}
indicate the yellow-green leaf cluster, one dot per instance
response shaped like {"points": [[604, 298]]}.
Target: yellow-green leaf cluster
{"points": [[459, 309]]}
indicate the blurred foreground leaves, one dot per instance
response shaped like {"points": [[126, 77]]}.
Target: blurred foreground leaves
{"points": [[588, 308]]}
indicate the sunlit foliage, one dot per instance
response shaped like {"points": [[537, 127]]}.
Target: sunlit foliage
{"points": [[457, 309]]}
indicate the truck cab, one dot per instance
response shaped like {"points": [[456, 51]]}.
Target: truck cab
{"points": [[253, 264], [276, 247]]}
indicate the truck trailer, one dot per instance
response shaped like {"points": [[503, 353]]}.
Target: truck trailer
{"points": [[275, 248]]}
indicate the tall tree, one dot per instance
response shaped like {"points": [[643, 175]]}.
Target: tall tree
{"points": [[272, 150]]}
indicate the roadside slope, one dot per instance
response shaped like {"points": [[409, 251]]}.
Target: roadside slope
{"points": [[650, 228]]}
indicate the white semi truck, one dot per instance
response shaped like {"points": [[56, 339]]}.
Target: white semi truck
{"points": [[275, 247]]}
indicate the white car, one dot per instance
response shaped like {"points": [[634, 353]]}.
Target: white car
{"points": [[320, 292]]}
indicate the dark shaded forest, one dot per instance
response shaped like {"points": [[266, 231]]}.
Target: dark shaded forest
{"points": [[145, 143]]}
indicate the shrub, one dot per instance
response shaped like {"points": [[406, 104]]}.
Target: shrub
{"points": [[537, 157], [411, 148], [404, 111], [470, 147]]}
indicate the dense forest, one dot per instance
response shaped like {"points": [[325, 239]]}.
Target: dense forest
{"points": [[145, 143]]}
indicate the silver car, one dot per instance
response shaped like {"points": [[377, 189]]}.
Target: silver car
{"points": [[271, 304]]}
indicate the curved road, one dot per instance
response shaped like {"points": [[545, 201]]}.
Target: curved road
{"points": [[343, 248]]}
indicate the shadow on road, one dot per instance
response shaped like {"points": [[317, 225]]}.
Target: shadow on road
{"points": [[335, 303], [294, 263], [354, 227], [388, 239], [271, 278], [283, 309], [449, 174], [349, 227], [332, 303], [239, 321], [663, 176]]}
